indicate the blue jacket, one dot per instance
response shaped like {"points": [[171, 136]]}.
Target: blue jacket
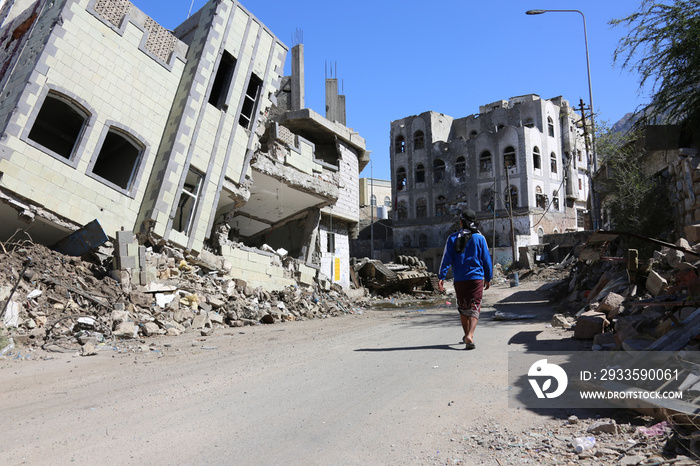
{"points": [[474, 263]]}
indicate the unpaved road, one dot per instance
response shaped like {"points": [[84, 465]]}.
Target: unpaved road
{"points": [[384, 387]]}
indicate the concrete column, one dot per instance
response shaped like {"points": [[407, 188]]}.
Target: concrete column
{"points": [[313, 221], [298, 95], [332, 99]]}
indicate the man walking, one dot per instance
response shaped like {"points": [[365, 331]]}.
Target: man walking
{"points": [[467, 253]]}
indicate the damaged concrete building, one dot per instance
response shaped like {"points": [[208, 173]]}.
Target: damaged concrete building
{"points": [[107, 115], [527, 152]]}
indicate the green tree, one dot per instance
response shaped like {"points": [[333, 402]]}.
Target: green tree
{"points": [[633, 200], [664, 48]]}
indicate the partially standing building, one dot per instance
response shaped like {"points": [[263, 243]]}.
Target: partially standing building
{"points": [[525, 155], [107, 115]]}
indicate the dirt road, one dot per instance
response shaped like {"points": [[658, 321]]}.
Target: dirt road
{"points": [[384, 387]]}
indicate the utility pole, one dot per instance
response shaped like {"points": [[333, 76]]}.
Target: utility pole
{"points": [[510, 214], [590, 169], [371, 209]]}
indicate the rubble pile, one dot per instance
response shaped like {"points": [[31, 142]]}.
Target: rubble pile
{"points": [[621, 303], [640, 440], [61, 302]]}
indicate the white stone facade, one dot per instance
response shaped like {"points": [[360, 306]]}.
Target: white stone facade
{"points": [[441, 166]]}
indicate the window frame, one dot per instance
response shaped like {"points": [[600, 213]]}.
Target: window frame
{"points": [[137, 171], [78, 105]]}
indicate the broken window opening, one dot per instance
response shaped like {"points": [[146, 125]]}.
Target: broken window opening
{"points": [[540, 199], [420, 173], [189, 196], [438, 170], [330, 243], [400, 178], [400, 145], [580, 218], [418, 140], [118, 159], [536, 158], [460, 168], [250, 101], [485, 165], [509, 157], [473, 134], [487, 204], [222, 81], [513, 197], [423, 241], [529, 123], [553, 162], [58, 125], [402, 210], [421, 208], [555, 200], [441, 206], [387, 202], [550, 126], [407, 241]]}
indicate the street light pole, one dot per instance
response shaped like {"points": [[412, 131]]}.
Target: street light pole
{"points": [[593, 156], [371, 209]]}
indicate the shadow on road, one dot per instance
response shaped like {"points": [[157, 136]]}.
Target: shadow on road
{"points": [[454, 347]]}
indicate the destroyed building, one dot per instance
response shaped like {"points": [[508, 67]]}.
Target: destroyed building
{"points": [[526, 152], [107, 115]]}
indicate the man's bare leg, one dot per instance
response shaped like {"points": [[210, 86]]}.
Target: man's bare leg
{"points": [[466, 326]]}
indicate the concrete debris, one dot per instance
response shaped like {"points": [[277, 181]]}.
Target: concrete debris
{"points": [[61, 299], [551, 443]]}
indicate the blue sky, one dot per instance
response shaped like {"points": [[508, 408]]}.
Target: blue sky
{"points": [[402, 58]]}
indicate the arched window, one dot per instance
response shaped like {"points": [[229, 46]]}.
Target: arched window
{"points": [[553, 162], [536, 158], [387, 201], [485, 164], [555, 199], [440, 206], [550, 126], [59, 125], [400, 178], [418, 140], [529, 123], [400, 145], [118, 159], [373, 200], [473, 134], [511, 195], [487, 200], [402, 211], [438, 170], [421, 208], [540, 234], [509, 157], [420, 173], [423, 241], [540, 198], [407, 241], [460, 168]]}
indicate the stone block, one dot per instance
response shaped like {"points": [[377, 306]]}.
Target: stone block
{"points": [[126, 330], [201, 321], [127, 262], [559, 320], [216, 318], [611, 305], [655, 283], [636, 344], [150, 329], [589, 324], [692, 232]]}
